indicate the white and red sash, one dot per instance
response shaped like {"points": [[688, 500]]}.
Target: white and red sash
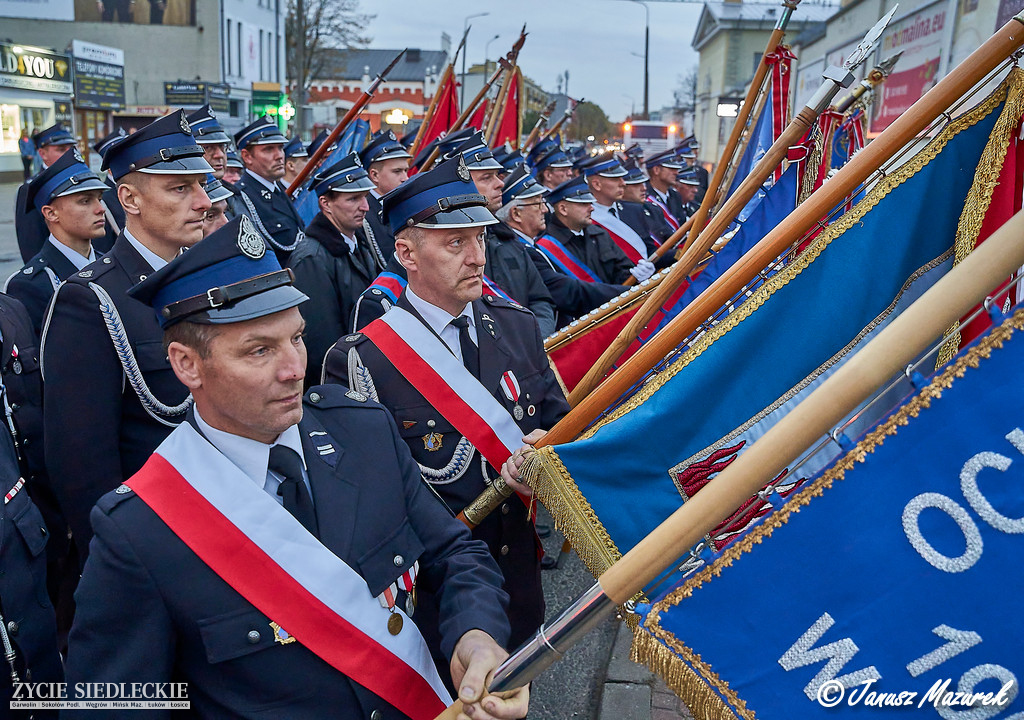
{"points": [[669, 217], [624, 236], [426, 362], [259, 549]]}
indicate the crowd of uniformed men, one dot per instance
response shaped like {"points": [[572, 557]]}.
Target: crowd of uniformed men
{"points": [[333, 364]]}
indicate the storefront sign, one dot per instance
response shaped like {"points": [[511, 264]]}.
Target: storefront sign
{"points": [[31, 68], [38, 9], [99, 76], [197, 94]]}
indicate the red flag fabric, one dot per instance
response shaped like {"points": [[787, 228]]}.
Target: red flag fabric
{"points": [[446, 111], [479, 117], [510, 125]]}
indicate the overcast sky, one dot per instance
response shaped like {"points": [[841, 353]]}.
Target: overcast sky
{"points": [[592, 39]]}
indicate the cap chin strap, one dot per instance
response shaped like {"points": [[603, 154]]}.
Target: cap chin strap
{"points": [[227, 294]]}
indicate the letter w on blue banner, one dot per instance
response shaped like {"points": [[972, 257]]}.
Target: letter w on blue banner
{"points": [[894, 577], [629, 472], [352, 138]]}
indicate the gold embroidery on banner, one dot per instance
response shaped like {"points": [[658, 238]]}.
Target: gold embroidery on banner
{"points": [[699, 679], [884, 186], [978, 200]]}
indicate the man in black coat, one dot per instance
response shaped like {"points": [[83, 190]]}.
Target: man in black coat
{"points": [[661, 187], [335, 262], [500, 353], [264, 196], [590, 246], [309, 609], [29, 227], [68, 195], [522, 216], [387, 162], [110, 396]]}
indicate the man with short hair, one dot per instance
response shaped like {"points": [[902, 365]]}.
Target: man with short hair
{"points": [[107, 411], [688, 184], [115, 213], [269, 553], [266, 201], [68, 196], [552, 166], [641, 215], [662, 169], [217, 216], [295, 159], [387, 162], [523, 216], [605, 177], [455, 368], [335, 262], [29, 227], [575, 245]]}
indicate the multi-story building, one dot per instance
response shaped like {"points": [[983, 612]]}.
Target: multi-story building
{"points": [[122, 63]]}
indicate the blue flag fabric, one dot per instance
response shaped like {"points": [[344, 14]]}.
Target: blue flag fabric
{"points": [[800, 321], [893, 576], [352, 138], [760, 140]]}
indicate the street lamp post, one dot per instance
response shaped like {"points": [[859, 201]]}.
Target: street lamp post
{"points": [[465, 29], [487, 50], [647, 55]]}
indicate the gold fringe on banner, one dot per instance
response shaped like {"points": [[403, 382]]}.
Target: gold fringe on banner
{"points": [[544, 471], [684, 671], [980, 197]]}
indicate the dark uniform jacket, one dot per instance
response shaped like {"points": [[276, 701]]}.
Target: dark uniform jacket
{"points": [[595, 249], [97, 431], [674, 203], [374, 302], [24, 603], [704, 180], [650, 224], [276, 214], [381, 232], [511, 269], [28, 226], [149, 610], [33, 286], [113, 204], [508, 339], [333, 277]]}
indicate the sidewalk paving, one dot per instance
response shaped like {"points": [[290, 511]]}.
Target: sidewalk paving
{"points": [[10, 258]]}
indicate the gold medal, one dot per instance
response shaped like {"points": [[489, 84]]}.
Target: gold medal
{"points": [[395, 623]]}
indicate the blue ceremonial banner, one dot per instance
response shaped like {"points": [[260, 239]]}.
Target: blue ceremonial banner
{"points": [[760, 140], [610, 488], [893, 578], [352, 138]]}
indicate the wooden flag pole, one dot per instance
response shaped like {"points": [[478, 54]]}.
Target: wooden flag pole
{"points": [[897, 345], [903, 130], [541, 123]]}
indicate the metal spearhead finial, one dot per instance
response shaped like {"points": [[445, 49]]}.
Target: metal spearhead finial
{"points": [[394, 62], [861, 52], [886, 66]]}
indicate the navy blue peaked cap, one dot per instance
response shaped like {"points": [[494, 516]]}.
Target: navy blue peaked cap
{"points": [[164, 147], [383, 146], [53, 135], [227, 277], [105, 143], [67, 176], [346, 175], [572, 190], [206, 129], [443, 197]]}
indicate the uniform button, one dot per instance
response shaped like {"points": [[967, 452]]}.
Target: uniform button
{"points": [[25, 441], [12, 627], [15, 406], [504, 509], [504, 548], [431, 423], [106, 261], [375, 715], [141, 277], [399, 561], [314, 397], [253, 637]]}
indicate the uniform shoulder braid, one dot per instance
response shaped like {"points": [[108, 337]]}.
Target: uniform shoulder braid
{"points": [[323, 397], [496, 301]]}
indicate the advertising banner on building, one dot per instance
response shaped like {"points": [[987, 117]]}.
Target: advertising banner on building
{"points": [[31, 68], [920, 37], [99, 76], [38, 9]]}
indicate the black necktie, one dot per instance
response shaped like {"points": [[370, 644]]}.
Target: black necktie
{"points": [[470, 353], [614, 210], [287, 463]]}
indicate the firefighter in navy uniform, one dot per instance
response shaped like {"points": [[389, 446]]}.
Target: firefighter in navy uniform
{"points": [[496, 341], [265, 198], [642, 215], [387, 162], [522, 216], [335, 263], [29, 227], [661, 186], [689, 187], [110, 396], [326, 475], [68, 196]]}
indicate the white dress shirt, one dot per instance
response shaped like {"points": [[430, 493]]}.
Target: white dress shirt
{"points": [[155, 261], [439, 321], [75, 258]]}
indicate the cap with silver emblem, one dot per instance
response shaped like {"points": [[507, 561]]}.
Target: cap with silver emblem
{"points": [[259, 132], [443, 197], [476, 153], [572, 190], [228, 277], [206, 129], [346, 175], [164, 147], [383, 146], [520, 185], [67, 176]]}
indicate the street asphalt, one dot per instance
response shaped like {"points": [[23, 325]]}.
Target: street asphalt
{"points": [[594, 681]]}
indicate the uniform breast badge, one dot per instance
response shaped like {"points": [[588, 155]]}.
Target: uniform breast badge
{"points": [[432, 441], [280, 634]]}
